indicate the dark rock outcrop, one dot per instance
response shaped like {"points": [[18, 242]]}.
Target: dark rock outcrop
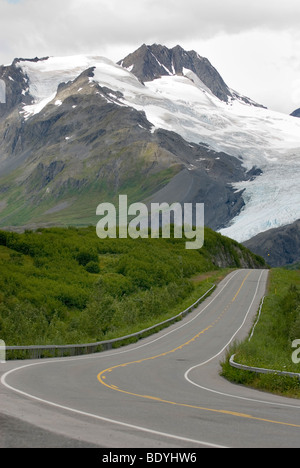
{"points": [[279, 246], [296, 113]]}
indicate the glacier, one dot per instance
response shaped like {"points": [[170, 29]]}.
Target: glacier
{"points": [[257, 136]]}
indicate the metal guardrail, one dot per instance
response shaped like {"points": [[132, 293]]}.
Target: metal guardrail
{"points": [[40, 351], [261, 370]]}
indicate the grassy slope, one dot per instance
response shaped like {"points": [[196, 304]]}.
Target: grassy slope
{"points": [[61, 286]]}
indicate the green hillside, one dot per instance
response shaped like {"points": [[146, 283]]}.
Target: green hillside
{"points": [[65, 285]]}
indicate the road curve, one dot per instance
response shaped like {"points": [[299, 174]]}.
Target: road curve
{"points": [[164, 391]]}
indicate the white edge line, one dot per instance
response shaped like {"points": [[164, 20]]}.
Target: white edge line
{"points": [[102, 418], [3, 381], [216, 355]]}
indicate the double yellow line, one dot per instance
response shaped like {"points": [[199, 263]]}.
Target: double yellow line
{"points": [[102, 377]]}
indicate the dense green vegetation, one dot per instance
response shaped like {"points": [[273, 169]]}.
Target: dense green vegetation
{"points": [[271, 343], [66, 286]]}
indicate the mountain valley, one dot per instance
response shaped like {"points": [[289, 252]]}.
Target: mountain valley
{"points": [[160, 125]]}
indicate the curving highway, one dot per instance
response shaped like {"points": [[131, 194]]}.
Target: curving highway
{"points": [[164, 391]]}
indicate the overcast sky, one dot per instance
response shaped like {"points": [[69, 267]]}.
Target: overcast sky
{"points": [[254, 45]]}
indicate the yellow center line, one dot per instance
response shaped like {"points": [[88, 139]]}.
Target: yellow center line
{"points": [[101, 377], [234, 298]]}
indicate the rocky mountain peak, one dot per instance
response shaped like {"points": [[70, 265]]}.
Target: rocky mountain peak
{"points": [[149, 62]]}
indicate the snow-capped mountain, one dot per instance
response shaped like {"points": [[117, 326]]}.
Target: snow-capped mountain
{"points": [[149, 98], [231, 123]]}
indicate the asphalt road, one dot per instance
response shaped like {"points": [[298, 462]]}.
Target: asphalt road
{"points": [[164, 391]]}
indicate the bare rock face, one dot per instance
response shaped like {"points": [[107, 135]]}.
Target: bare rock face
{"points": [[279, 246]]}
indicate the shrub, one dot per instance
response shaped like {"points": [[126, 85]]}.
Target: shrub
{"points": [[92, 267], [84, 257]]}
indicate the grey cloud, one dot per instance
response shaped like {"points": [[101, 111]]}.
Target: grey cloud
{"points": [[115, 28], [75, 26]]}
